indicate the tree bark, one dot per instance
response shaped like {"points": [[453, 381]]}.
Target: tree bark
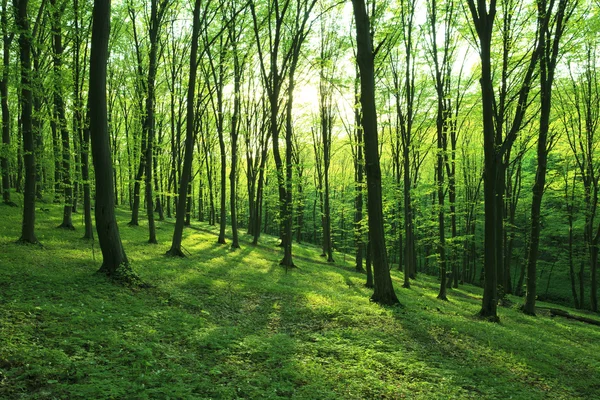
{"points": [[384, 290], [175, 249], [4, 159], [22, 22], [237, 76], [114, 261], [149, 127], [484, 23], [59, 111], [548, 50]]}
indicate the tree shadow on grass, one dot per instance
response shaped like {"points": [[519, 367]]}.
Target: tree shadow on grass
{"points": [[497, 360]]}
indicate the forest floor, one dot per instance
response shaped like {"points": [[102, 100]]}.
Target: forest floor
{"points": [[226, 324]]}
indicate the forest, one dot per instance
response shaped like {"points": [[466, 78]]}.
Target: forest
{"points": [[438, 154]]}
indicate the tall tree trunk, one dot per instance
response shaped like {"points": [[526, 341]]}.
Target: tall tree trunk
{"points": [[359, 235], [175, 249], [223, 155], [384, 290], [4, 159], [141, 90], [484, 22], [59, 111], [157, 12], [259, 193], [288, 214], [85, 176], [22, 22], [548, 50], [237, 76], [358, 189], [114, 260]]}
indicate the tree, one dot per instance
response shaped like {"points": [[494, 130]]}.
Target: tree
{"points": [[358, 158], [404, 94], [114, 261], [384, 290], [552, 28], [288, 24], [7, 38], [579, 101], [81, 127], [235, 29], [59, 112], [329, 54], [26, 98], [216, 74], [175, 249], [441, 72], [483, 19]]}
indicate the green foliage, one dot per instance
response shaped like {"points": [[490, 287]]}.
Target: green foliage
{"points": [[233, 324]]}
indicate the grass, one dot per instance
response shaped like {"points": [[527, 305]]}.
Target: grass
{"points": [[226, 324]]}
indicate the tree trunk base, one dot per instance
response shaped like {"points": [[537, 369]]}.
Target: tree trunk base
{"points": [[287, 264], [10, 203], [221, 241], [235, 246], [67, 226], [133, 223], [173, 252], [406, 285], [488, 318], [28, 241], [385, 300], [527, 310], [442, 297]]}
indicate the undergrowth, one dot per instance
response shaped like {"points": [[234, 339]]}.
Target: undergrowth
{"points": [[226, 324]]}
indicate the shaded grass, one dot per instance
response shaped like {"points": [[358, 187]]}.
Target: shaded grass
{"points": [[227, 324]]}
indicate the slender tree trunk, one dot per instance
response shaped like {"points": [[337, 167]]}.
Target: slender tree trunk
{"points": [[22, 22], [114, 263], [158, 180], [219, 81], [59, 111], [85, 176], [4, 159], [141, 88], [571, 268], [149, 127], [259, 194], [175, 249], [548, 49], [237, 72], [288, 214], [484, 22], [369, 264], [358, 198], [384, 290]]}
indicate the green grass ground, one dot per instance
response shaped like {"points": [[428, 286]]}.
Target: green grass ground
{"points": [[226, 324]]}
